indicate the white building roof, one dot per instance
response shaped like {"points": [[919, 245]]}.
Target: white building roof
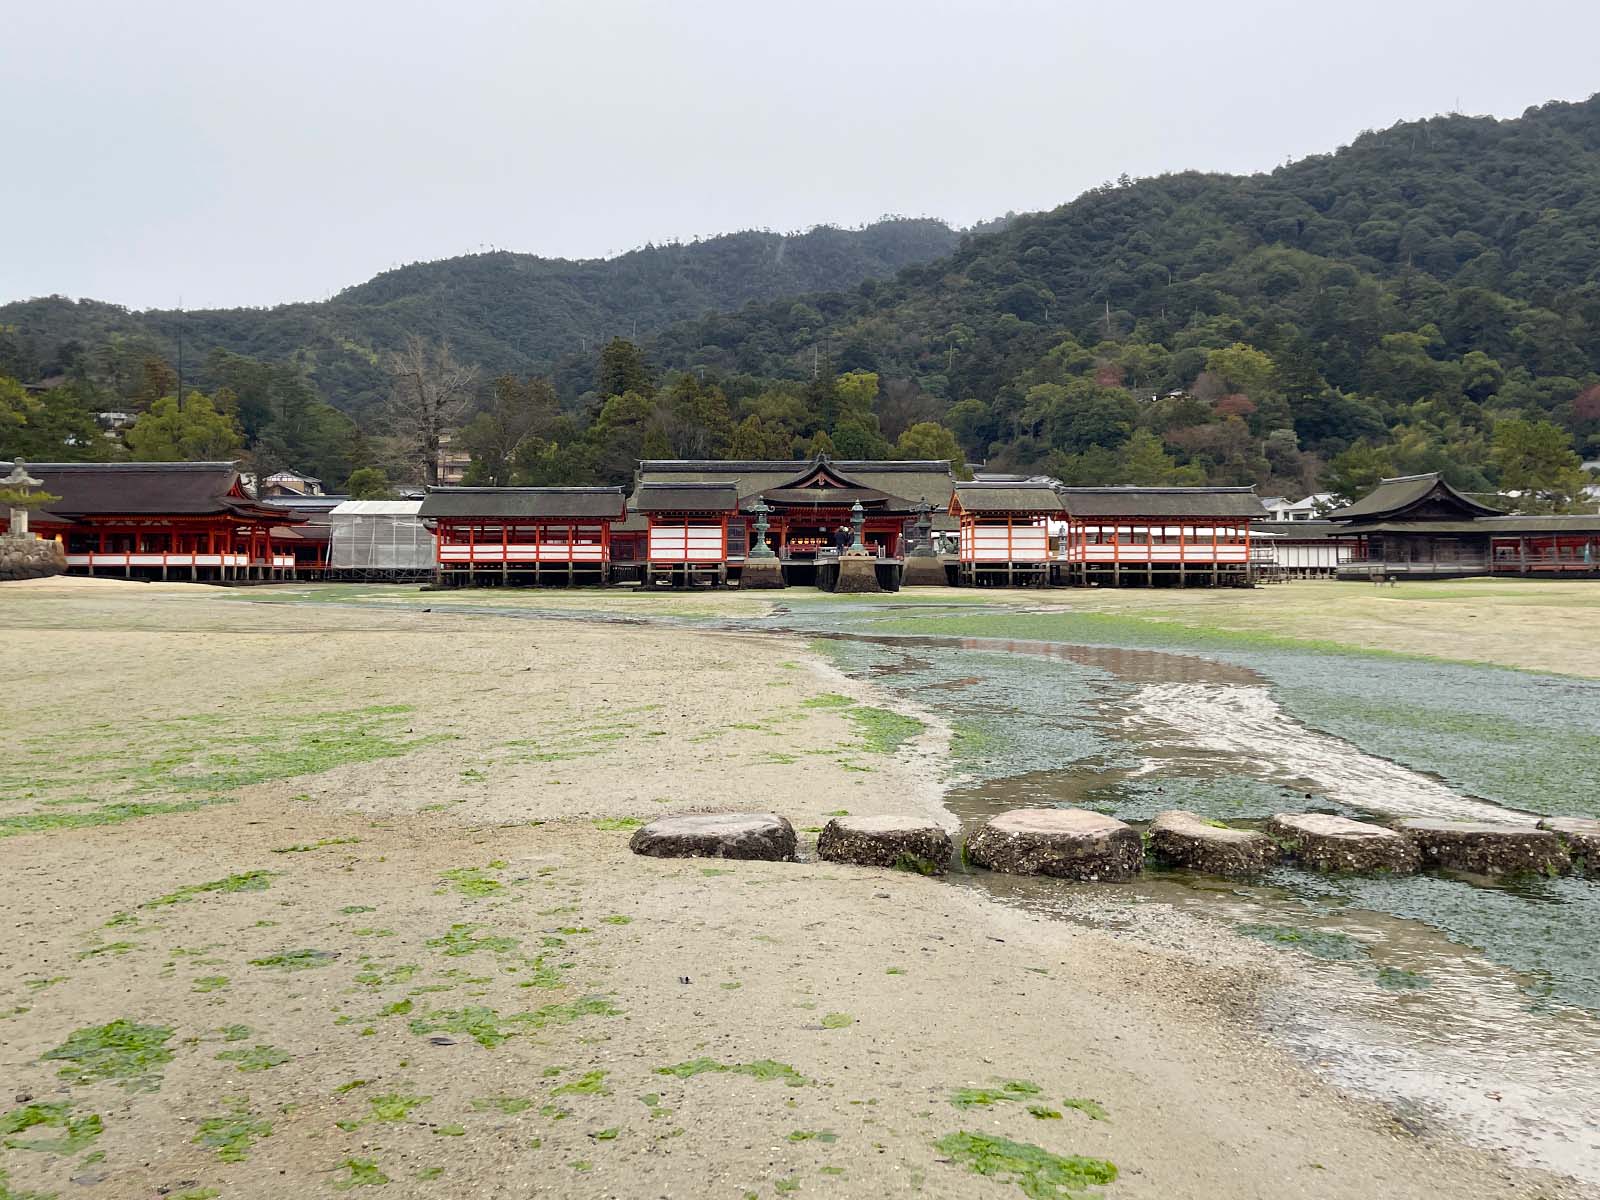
{"points": [[377, 508]]}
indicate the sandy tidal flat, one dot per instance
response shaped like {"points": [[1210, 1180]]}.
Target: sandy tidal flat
{"points": [[307, 899]]}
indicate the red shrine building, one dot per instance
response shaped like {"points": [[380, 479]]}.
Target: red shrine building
{"points": [[181, 521], [700, 515], [522, 535]]}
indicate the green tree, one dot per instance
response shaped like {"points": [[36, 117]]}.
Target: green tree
{"points": [[973, 424], [1402, 367], [1144, 461], [820, 446], [754, 439], [18, 411], [1243, 368], [1535, 460], [369, 483], [618, 436], [1095, 466], [855, 394], [622, 369], [698, 421], [299, 431], [517, 410], [858, 437], [561, 460], [55, 426], [929, 441], [196, 432], [1358, 470], [1083, 414]]}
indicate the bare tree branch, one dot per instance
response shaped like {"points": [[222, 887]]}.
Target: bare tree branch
{"points": [[429, 393]]}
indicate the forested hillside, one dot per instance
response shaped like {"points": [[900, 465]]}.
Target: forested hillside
{"points": [[1404, 295], [1426, 298], [499, 311]]}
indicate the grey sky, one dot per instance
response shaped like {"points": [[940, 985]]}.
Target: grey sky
{"points": [[251, 153]]}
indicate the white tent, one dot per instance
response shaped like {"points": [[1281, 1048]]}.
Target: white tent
{"points": [[379, 538]]}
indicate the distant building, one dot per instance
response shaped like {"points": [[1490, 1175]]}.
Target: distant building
{"points": [[452, 463], [1311, 508], [290, 483], [1418, 526]]}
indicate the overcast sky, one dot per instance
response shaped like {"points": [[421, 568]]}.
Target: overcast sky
{"points": [[220, 152]]}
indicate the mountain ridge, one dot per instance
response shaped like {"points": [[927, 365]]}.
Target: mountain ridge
{"points": [[503, 310]]}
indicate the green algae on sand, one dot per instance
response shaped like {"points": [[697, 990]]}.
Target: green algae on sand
{"points": [[1039, 1174]]}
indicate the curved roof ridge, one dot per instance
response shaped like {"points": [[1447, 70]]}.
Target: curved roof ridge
{"points": [[1119, 489], [516, 490], [1410, 478]]}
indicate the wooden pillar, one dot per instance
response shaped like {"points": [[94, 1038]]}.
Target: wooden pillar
{"points": [[1249, 563], [505, 552], [1214, 571]]}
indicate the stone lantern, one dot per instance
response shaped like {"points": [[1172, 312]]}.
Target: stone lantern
{"points": [[762, 510], [762, 568], [22, 555], [858, 570], [21, 481], [922, 535]]}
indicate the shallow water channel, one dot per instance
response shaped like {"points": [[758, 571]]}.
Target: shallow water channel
{"points": [[1459, 1002]]}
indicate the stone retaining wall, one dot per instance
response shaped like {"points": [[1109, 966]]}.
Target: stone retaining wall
{"points": [[23, 556]]}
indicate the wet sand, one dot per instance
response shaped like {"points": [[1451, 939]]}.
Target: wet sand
{"points": [[472, 883]]}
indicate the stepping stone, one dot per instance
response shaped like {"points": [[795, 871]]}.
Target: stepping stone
{"points": [[909, 843], [1582, 838], [1486, 849], [1185, 839], [1324, 843], [717, 835], [1068, 843]]}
